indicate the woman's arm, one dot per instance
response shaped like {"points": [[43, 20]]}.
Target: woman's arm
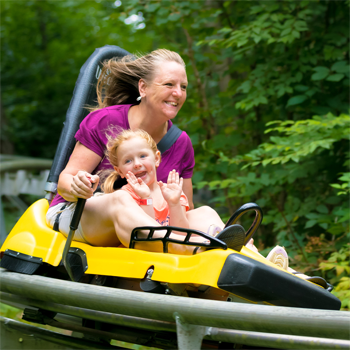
{"points": [[186, 166], [75, 180], [188, 190]]}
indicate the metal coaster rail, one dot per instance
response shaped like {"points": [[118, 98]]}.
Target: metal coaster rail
{"points": [[192, 319]]}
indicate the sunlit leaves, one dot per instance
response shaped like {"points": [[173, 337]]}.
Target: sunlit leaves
{"points": [[302, 139], [339, 261], [343, 188]]}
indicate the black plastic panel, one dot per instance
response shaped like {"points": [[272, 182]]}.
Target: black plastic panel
{"points": [[255, 281], [19, 262]]}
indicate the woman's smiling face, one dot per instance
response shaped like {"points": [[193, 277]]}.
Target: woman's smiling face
{"points": [[135, 155], [166, 94]]}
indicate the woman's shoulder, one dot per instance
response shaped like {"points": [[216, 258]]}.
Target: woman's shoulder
{"points": [[184, 140], [180, 150], [112, 115], [110, 110], [183, 136], [182, 144]]}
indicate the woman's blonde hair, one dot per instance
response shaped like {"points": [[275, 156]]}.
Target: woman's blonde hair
{"points": [[119, 79], [108, 177]]}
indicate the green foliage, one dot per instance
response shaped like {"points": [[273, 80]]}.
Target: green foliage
{"points": [[300, 139], [12, 212], [41, 59], [345, 186], [10, 312], [339, 261], [16, 314], [125, 345]]}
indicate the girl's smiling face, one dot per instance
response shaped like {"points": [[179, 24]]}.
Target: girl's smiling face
{"points": [[135, 155]]}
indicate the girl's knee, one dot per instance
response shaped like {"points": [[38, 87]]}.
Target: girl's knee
{"points": [[201, 218], [122, 198], [206, 211]]}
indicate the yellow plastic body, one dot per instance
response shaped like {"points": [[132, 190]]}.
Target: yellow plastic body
{"points": [[33, 237]]}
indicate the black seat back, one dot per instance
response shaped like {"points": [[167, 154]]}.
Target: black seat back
{"points": [[84, 95]]}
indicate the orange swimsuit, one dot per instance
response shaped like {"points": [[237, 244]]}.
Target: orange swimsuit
{"points": [[162, 214]]}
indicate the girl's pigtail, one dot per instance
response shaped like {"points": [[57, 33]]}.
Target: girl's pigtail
{"points": [[107, 185]]}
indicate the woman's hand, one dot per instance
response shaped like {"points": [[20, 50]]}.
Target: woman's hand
{"points": [[173, 189], [137, 184], [84, 184], [76, 179]]}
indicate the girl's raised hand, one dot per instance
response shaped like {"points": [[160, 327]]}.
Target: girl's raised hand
{"points": [[137, 184], [172, 190]]}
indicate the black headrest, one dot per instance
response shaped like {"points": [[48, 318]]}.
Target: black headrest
{"points": [[84, 95]]}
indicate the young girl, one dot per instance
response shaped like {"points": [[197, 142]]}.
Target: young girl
{"points": [[134, 156]]}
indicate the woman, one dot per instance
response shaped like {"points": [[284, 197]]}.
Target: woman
{"points": [[146, 93]]}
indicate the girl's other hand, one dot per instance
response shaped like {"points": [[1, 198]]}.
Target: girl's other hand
{"points": [[173, 189], [137, 184], [84, 184]]}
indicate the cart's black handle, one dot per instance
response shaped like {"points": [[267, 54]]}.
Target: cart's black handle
{"points": [[77, 214], [73, 226], [256, 223]]}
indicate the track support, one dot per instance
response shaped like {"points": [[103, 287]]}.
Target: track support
{"points": [[189, 337]]}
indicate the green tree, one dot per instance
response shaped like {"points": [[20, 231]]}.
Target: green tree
{"points": [[41, 59]]}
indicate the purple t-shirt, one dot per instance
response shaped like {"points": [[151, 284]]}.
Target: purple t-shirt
{"points": [[92, 134]]}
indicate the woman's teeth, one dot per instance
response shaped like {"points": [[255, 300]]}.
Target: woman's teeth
{"points": [[171, 103]]}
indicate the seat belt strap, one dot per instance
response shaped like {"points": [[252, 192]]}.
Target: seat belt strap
{"points": [[169, 139], [57, 220]]}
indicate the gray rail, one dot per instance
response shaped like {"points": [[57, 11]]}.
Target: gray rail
{"points": [[20, 175], [20, 163], [192, 319]]}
